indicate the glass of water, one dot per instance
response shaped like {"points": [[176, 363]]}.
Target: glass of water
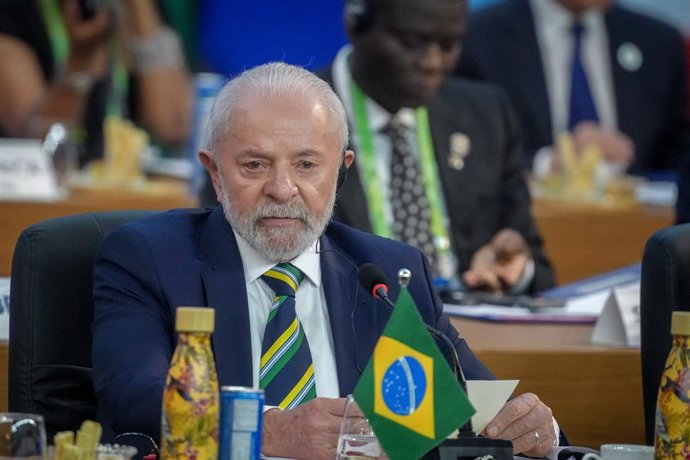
{"points": [[357, 440], [22, 436]]}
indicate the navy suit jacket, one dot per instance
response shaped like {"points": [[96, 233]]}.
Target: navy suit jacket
{"points": [[147, 268], [501, 47], [488, 194]]}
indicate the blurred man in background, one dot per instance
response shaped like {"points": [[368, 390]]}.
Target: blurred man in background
{"points": [[607, 75], [439, 159], [65, 64]]}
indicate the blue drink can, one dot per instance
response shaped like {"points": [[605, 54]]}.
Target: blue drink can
{"points": [[241, 420]]}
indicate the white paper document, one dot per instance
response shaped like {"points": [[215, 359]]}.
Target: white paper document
{"points": [[26, 172], [488, 397]]}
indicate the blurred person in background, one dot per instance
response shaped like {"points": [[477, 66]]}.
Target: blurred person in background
{"points": [[439, 159], [78, 62], [589, 67]]}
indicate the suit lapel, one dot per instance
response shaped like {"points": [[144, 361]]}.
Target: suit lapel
{"points": [[527, 58], [626, 88], [225, 290], [352, 313]]}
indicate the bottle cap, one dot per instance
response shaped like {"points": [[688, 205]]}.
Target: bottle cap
{"points": [[195, 319], [680, 323]]}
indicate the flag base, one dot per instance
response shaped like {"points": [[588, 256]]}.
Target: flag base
{"points": [[469, 448]]}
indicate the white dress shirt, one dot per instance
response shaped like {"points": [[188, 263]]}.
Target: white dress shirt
{"points": [[310, 306], [553, 24]]}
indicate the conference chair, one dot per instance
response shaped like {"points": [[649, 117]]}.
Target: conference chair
{"points": [[51, 310], [665, 287]]}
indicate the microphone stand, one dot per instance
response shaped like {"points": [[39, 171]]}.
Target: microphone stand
{"points": [[467, 445]]}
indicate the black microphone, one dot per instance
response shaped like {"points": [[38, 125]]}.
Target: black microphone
{"points": [[468, 444]]}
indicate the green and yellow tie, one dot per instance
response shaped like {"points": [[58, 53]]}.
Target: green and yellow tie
{"points": [[286, 372]]}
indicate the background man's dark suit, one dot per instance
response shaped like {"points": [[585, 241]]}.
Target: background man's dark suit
{"points": [[501, 47], [489, 193], [146, 269]]}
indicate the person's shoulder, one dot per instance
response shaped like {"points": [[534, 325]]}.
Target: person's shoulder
{"points": [[168, 226], [641, 24], [460, 91], [498, 14], [360, 241]]}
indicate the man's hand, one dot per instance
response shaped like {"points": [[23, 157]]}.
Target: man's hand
{"points": [[615, 146], [527, 422], [500, 264], [309, 431], [88, 39]]}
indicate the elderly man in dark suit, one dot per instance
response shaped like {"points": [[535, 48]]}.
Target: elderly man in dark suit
{"points": [[439, 159], [277, 140], [556, 57]]}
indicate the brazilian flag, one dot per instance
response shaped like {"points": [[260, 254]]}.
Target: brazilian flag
{"points": [[408, 392]]}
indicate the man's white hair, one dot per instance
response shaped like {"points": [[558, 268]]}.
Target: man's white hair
{"points": [[272, 81]]}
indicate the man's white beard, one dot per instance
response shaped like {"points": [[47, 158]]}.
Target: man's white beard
{"points": [[280, 244]]}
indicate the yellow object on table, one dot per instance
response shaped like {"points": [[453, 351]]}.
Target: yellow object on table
{"points": [[86, 445], [584, 177]]}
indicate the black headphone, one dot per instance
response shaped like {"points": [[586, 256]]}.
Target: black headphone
{"points": [[342, 175], [359, 14]]}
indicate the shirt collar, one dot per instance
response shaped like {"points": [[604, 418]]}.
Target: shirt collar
{"points": [[378, 116], [549, 15], [256, 264]]}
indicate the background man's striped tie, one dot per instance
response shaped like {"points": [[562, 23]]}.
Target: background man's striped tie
{"points": [[286, 372]]}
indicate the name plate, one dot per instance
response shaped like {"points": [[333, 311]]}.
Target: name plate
{"points": [[26, 173], [619, 323]]}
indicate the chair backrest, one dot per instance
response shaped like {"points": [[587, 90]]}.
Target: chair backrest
{"points": [[51, 311], [665, 287]]}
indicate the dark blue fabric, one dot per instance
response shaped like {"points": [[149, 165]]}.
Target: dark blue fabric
{"points": [[650, 102], [144, 270], [581, 106]]}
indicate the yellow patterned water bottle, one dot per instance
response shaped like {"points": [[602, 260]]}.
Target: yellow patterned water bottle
{"points": [[672, 437], [189, 426]]}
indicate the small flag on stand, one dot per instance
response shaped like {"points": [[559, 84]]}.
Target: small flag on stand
{"points": [[407, 391]]}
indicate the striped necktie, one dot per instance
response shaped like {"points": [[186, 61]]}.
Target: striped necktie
{"points": [[286, 372]]}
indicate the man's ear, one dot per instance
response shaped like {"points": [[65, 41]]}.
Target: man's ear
{"points": [[349, 157], [345, 164], [210, 164]]}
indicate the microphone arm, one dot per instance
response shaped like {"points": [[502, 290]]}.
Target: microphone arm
{"points": [[381, 291], [467, 444]]}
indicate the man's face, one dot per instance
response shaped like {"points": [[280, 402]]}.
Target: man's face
{"points": [[275, 174], [408, 50]]}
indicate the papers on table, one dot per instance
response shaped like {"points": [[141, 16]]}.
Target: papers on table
{"points": [[488, 397], [26, 172], [519, 314], [612, 300]]}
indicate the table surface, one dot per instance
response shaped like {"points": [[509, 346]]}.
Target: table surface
{"points": [[595, 392], [581, 239], [16, 216], [584, 239]]}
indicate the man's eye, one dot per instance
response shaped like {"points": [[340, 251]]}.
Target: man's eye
{"points": [[308, 165], [411, 41], [256, 164]]}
